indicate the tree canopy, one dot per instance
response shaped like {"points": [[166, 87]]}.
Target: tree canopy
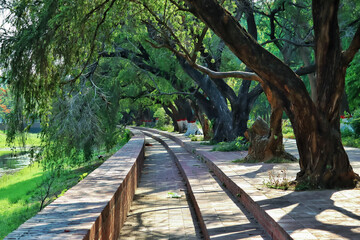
{"points": [[83, 66]]}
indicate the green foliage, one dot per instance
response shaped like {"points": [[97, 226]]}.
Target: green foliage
{"points": [[196, 137], [162, 118], [351, 141], [261, 108], [72, 130], [355, 122], [351, 138], [287, 130], [239, 144]]}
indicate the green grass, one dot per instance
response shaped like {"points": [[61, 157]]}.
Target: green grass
{"points": [[239, 160], [168, 128], [20, 192], [279, 160], [237, 145], [5, 152], [31, 139], [15, 198], [196, 138]]}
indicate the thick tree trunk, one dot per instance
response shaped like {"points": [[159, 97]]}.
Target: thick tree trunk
{"points": [[222, 116], [206, 131], [183, 110], [173, 114], [269, 145], [323, 160]]}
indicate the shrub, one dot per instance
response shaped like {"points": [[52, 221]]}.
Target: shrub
{"points": [[239, 144], [355, 122]]}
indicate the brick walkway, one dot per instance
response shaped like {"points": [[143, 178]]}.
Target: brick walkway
{"points": [[323, 214], [153, 215], [221, 214]]}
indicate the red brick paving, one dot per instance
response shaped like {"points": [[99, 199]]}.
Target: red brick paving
{"points": [[323, 214], [221, 215]]}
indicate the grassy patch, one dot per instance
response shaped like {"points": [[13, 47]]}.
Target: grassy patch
{"points": [[21, 193], [238, 145], [209, 143], [5, 153], [15, 198], [278, 160], [278, 180], [239, 160], [196, 138], [288, 132], [168, 128], [31, 139]]}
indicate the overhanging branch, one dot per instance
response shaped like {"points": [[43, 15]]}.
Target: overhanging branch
{"points": [[234, 74], [349, 54], [289, 41]]}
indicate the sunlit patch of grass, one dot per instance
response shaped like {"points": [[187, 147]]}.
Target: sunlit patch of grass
{"points": [[31, 139], [15, 202], [19, 192]]}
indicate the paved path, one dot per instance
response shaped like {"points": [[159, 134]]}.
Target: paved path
{"points": [[325, 214], [222, 215], [153, 215]]}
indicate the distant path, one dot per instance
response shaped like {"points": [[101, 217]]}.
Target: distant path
{"points": [[153, 215]]}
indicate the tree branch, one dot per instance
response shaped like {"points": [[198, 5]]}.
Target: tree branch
{"points": [[289, 41], [234, 74], [306, 70], [349, 54]]}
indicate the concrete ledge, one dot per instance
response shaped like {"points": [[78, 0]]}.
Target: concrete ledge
{"points": [[269, 224], [97, 207]]}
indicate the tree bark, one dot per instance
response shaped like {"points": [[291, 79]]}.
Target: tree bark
{"points": [[269, 145], [222, 116], [172, 116], [323, 160]]}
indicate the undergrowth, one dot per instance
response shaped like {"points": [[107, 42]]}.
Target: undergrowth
{"points": [[196, 138], [277, 180], [239, 144]]}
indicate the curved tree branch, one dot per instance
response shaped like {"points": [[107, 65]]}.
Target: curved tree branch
{"points": [[289, 41], [349, 54]]}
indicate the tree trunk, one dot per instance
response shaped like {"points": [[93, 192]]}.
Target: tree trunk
{"points": [[270, 145], [173, 118], [222, 116], [183, 110], [323, 160]]}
